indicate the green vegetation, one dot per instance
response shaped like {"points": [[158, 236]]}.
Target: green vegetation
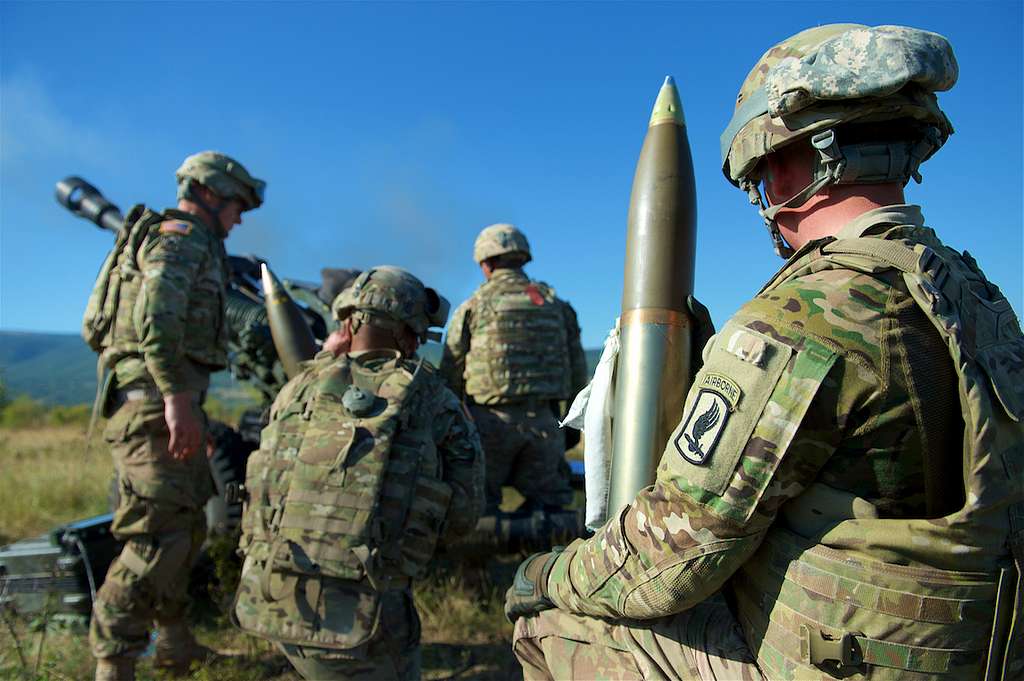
{"points": [[52, 477]]}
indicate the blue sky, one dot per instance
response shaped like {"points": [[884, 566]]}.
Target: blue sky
{"points": [[392, 133]]}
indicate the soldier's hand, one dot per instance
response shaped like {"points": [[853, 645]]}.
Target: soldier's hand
{"points": [[703, 330], [339, 342], [183, 424], [528, 593]]}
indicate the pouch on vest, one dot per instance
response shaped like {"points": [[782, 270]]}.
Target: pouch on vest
{"points": [[119, 265], [332, 516]]}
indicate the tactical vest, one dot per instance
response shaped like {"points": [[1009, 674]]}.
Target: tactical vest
{"points": [[518, 344], [346, 484], [117, 285], [111, 320], [887, 598]]}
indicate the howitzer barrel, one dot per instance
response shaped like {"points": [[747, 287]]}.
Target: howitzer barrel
{"points": [[292, 337], [654, 359], [84, 200]]}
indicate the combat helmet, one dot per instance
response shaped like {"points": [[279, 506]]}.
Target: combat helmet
{"points": [[809, 85], [391, 297], [501, 239], [222, 174]]}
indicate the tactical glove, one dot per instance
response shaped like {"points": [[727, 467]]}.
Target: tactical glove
{"points": [[702, 331], [528, 593]]}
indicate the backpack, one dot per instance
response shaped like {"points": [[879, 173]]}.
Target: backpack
{"points": [[117, 281], [342, 484]]}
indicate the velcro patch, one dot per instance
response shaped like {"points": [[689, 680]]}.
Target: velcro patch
{"points": [[746, 346], [175, 227], [702, 426]]}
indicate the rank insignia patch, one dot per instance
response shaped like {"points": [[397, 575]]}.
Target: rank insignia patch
{"points": [[702, 426], [175, 227]]}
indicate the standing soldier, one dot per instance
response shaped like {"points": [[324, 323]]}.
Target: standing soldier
{"points": [[513, 349], [367, 462], [843, 494], [156, 316]]}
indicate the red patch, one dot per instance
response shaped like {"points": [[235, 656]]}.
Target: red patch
{"points": [[535, 297]]}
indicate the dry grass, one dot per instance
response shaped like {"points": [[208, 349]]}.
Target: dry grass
{"points": [[50, 477]]}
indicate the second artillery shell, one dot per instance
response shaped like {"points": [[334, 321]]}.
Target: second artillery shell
{"points": [[292, 336]]}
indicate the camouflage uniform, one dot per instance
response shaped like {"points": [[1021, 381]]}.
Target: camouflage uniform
{"points": [[513, 349], [167, 336], [804, 522], [353, 615]]}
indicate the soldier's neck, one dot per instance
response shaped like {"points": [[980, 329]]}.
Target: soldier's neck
{"points": [[828, 211], [186, 206]]}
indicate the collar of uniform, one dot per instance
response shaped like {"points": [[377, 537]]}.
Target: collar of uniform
{"points": [[176, 214], [886, 216], [508, 274], [364, 356]]}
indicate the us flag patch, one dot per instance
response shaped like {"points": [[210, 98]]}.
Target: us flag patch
{"points": [[175, 227]]}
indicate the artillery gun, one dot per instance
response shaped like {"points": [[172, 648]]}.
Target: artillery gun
{"points": [[256, 347], [253, 358]]}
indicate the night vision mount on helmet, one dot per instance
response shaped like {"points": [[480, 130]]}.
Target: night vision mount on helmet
{"points": [[391, 298]]}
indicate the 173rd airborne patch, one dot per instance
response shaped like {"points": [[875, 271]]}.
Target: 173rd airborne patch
{"points": [[703, 424]]}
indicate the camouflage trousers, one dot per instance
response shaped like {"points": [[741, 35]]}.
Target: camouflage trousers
{"points": [[524, 448], [704, 643], [161, 521], [393, 654]]}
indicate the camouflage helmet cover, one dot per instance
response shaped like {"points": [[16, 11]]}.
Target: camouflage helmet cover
{"points": [[222, 174], [393, 297], [829, 75], [500, 239]]}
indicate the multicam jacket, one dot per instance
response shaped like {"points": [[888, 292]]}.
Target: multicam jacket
{"points": [[170, 328], [366, 461], [818, 461], [513, 339]]}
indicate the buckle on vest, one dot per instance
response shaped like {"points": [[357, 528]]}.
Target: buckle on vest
{"points": [[819, 648]]}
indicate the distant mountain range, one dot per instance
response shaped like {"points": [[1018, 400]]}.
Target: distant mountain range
{"points": [[59, 368]]}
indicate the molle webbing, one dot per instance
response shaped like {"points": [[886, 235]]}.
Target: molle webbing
{"points": [[344, 484], [938, 621], [519, 344], [883, 609]]}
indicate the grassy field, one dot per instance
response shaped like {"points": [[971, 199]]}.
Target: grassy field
{"points": [[50, 477]]}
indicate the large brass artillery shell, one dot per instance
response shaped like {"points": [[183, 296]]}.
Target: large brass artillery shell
{"points": [[652, 374], [292, 336]]}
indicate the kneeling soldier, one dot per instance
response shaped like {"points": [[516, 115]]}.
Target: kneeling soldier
{"points": [[367, 462]]}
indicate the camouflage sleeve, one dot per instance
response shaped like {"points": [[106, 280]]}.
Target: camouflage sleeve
{"points": [[170, 263], [578, 374], [462, 462], [456, 345], [759, 423]]}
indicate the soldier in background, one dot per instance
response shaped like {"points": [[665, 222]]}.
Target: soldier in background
{"points": [[368, 461], [843, 494], [513, 349], [157, 318]]}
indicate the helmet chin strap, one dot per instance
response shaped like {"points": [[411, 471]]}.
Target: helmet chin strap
{"points": [[852, 164]]}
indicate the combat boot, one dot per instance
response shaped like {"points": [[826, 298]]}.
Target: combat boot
{"points": [[177, 648], [115, 669]]}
